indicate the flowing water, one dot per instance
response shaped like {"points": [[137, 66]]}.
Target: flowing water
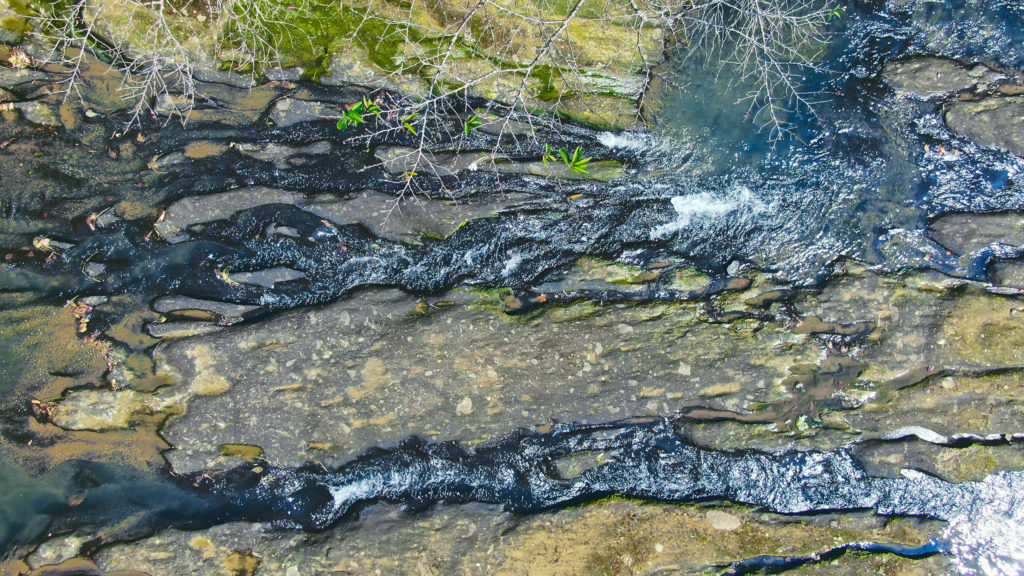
{"points": [[247, 339]]}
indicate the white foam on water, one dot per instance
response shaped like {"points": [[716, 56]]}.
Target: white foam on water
{"points": [[512, 264], [346, 494], [624, 140], [708, 206]]}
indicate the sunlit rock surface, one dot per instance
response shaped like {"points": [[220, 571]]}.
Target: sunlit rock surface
{"points": [[252, 293]]}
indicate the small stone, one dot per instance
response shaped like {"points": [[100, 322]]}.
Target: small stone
{"points": [[38, 113], [94, 269], [723, 520], [464, 407], [56, 551]]}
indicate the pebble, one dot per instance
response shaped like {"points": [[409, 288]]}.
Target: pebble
{"points": [[723, 520]]}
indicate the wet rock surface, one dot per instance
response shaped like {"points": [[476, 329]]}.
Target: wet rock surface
{"points": [[320, 337], [931, 77], [980, 103], [991, 122], [608, 536], [372, 368]]}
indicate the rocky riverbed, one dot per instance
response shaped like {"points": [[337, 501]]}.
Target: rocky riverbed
{"points": [[216, 334]]}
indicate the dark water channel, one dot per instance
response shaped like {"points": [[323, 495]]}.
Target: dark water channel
{"points": [[861, 261]]}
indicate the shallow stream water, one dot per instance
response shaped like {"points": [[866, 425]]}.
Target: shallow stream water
{"points": [[247, 339]]}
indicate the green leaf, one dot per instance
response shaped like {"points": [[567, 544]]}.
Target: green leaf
{"points": [[565, 157], [410, 128], [548, 156], [342, 124], [368, 106], [472, 122]]}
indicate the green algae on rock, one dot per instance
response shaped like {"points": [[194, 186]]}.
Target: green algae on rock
{"points": [[589, 63]]}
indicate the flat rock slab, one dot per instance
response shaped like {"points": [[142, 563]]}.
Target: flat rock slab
{"points": [[169, 304], [966, 233], [399, 160], [198, 209], [932, 77], [291, 111], [406, 219], [995, 122], [11, 77], [606, 537], [283, 156], [327, 383], [268, 277]]}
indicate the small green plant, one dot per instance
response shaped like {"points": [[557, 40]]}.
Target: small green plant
{"points": [[575, 162], [548, 156], [407, 122], [225, 276], [472, 122], [835, 14], [356, 113]]}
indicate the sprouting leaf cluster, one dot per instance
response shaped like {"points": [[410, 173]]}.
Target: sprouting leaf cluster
{"points": [[575, 162], [356, 114], [407, 122], [472, 122]]}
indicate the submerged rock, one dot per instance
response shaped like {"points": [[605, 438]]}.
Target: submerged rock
{"points": [[996, 122], [288, 112], [966, 233], [929, 77]]}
